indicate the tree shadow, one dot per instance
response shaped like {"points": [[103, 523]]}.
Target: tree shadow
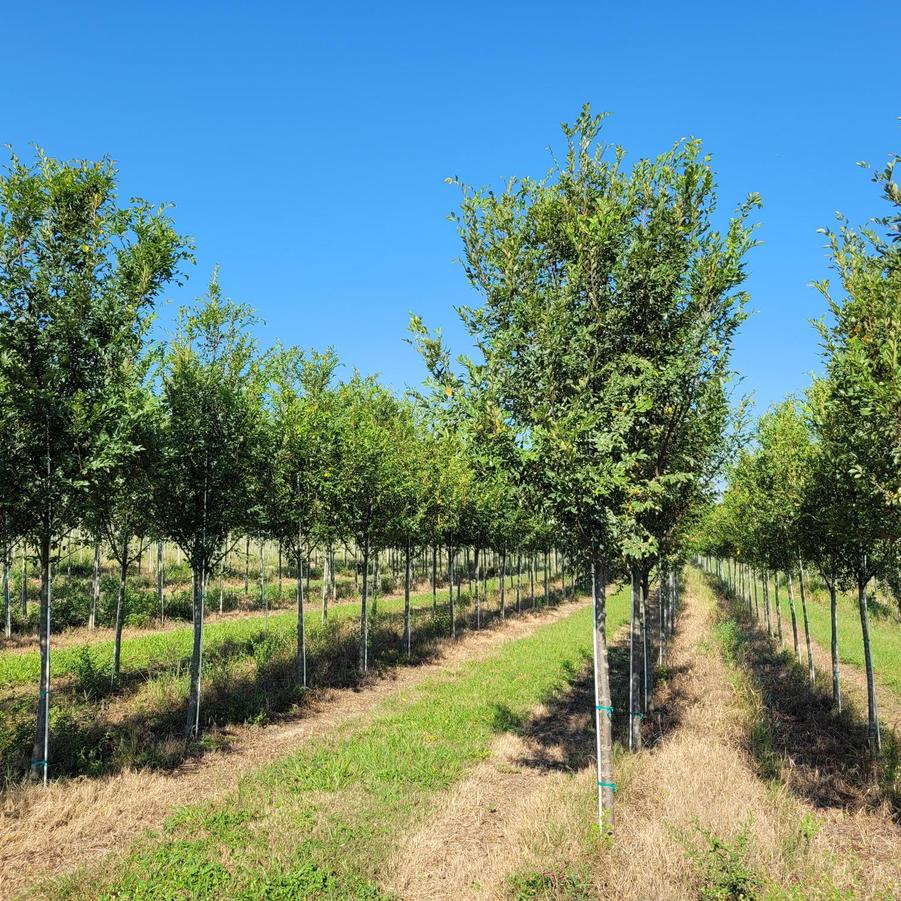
{"points": [[821, 755], [561, 736], [99, 729]]}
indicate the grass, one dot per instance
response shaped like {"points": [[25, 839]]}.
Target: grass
{"points": [[885, 636], [97, 728], [320, 823], [168, 646]]}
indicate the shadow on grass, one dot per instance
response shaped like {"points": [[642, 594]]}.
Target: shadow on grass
{"points": [[562, 736], [139, 722], [820, 754]]}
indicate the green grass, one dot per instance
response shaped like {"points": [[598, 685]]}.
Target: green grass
{"points": [[319, 823], [167, 647], [885, 637]]}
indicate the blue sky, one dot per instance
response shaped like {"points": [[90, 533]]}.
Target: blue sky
{"points": [[306, 146]]}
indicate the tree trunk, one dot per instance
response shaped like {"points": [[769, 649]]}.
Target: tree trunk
{"points": [[767, 617], [300, 660], [364, 609], [546, 565], [247, 566], [192, 717], [518, 582], [23, 588], [635, 713], [160, 581], [833, 618], [501, 582], [264, 601], [95, 587], [407, 623], [476, 563], [778, 606], [791, 607], [603, 704], [326, 584], [120, 612], [434, 577], [811, 672], [450, 585], [875, 739], [7, 609], [645, 644], [39, 753]]}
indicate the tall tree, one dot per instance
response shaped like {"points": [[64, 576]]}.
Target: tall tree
{"points": [[209, 447], [77, 274]]}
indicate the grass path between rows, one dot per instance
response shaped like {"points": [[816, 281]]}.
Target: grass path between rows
{"points": [[885, 640], [167, 646], [697, 815], [396, 740]]}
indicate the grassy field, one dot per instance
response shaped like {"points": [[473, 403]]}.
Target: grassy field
{"points": [[99, 728], [171, 645], [885, 631], [320, 822], [885, 637]]}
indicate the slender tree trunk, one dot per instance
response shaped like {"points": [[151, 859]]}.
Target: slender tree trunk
{"points": [[645, 642], [7, 606], [192, 717], [477, 562], [756, 604], [247, 566], [518, 582], [264, 601], [279, 570], [778, 607], [791, 607], [364, 609], [95, 587], [160, 581], [532, 579], [836, 673], [546, 565], [811, 672], [875, 739], [326, 584], [603, 703], [450, 585], [23, 588], [767, 616], [635, 638], [661, 617], [120, 612], [300, 660], [407, 623], [501, 583], [39, 754], [434, 577]]}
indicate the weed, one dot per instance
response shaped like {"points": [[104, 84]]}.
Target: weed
{"points": [[723, 868]]}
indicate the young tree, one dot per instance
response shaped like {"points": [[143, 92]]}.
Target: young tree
{"points": [[209, 447], [295, 498], [857, 421], [77, 273]]}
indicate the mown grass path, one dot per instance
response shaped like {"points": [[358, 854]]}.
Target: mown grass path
{"points": [[318, 818]]}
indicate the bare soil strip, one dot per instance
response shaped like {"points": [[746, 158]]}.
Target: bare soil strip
{"points": [[73, 822], [529, 808]]}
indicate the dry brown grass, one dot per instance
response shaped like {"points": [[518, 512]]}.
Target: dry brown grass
{"points": [[46, 832], [512, 816]]}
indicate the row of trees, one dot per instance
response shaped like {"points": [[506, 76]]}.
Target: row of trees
{"points": [[821, 483], [608, 306], [202, 437], [593, 417]]}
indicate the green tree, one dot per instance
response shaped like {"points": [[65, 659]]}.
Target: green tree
{"points": [[77, 273], [209, 447]]}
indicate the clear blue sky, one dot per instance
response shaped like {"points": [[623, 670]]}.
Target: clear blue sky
{"points": [[306, 146]]}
